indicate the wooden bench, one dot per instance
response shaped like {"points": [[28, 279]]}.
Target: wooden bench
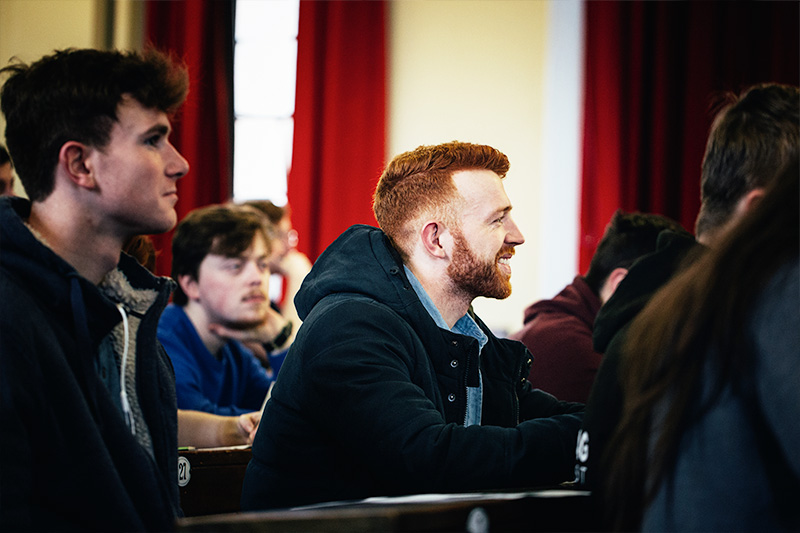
{"points": [[210, 479]]}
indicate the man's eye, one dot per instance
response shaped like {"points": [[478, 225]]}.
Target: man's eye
{"points": [[233, 266], [153, 141]]}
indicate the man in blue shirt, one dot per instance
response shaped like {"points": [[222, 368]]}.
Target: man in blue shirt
{"points": [[220, 262]]}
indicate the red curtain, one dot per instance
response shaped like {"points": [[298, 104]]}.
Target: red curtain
{"points": [[339, 137], [652, 70], [201, 33]]}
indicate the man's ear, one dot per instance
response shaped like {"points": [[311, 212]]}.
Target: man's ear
{"points": [[434, 239], [750, 200], [612, 282], [73, 158], [189, 286]]}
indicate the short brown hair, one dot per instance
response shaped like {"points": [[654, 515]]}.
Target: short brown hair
{"points": [[421, 181], [752, 139], [224, 229]]}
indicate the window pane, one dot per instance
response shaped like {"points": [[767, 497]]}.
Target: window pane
{"points": [[266, 19], [264, 78], [265, 69], [261, 159]]}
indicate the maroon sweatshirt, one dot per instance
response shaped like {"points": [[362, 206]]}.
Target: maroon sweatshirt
{"points": [[558, 332]]}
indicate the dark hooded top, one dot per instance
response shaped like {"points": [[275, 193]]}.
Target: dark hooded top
{"points": [[371, 399], [604, 408], [68, 460], [558, 332]]}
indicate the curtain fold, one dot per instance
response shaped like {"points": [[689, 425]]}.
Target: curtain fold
{"points": [[201, 33], [340, 108], [652, 72]]}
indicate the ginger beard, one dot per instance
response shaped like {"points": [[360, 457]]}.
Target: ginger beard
{"points": [[475, 276]]}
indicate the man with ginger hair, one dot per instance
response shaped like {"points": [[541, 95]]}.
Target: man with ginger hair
{"points": [[393, 384]]}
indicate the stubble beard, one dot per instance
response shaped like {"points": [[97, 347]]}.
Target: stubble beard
{"points": [[243, 324]]}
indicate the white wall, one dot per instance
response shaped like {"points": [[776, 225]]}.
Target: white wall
{"points": [[494, 72]]}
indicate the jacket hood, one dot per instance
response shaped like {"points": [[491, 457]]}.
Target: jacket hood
{"points": [[576, 299], [49, 277], [645, 277], [52, 279], [361, 261]]}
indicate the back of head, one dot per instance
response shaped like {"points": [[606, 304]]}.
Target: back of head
{"points": [[697, 318], [73, 95], [420, 182], [273, 212], [752, 139], [226, 230], [628, 236]]}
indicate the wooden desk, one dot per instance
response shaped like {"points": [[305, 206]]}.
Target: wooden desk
{"points": [[210, 479], [536, 510]]}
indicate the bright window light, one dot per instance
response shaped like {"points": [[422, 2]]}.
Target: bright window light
{"points": [[265, 70]]}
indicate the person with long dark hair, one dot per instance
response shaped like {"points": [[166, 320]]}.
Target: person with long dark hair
{"points": [[710, 371]]}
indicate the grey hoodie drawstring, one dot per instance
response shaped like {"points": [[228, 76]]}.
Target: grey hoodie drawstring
{"points": [[123, 393]]}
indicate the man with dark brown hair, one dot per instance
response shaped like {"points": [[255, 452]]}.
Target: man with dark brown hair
{"points": [[87, 395], [220, 260], [753, 138], [558, 331]]}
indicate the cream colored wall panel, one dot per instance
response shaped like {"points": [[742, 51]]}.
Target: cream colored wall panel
{"points": [[30, 29], [473, 70]]}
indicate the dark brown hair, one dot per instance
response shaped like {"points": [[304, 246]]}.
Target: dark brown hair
{"points": [[73, 95], [627, 237], [753, 137], [225, 229]]}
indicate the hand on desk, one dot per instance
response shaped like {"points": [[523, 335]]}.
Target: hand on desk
{"points": [[207, 430], [248, 425]]}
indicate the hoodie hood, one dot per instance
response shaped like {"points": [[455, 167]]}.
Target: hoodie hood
{"points": [[645, 277], [26, 258], [360, 261]]}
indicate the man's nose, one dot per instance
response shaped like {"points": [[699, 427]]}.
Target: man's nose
{"points": [[177, 166], [514, 235]]}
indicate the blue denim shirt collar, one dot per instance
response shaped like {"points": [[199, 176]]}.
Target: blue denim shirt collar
{"points": [[465, 325]]}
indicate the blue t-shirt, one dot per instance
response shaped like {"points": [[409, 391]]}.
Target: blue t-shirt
{"points": [[232, 385]]}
